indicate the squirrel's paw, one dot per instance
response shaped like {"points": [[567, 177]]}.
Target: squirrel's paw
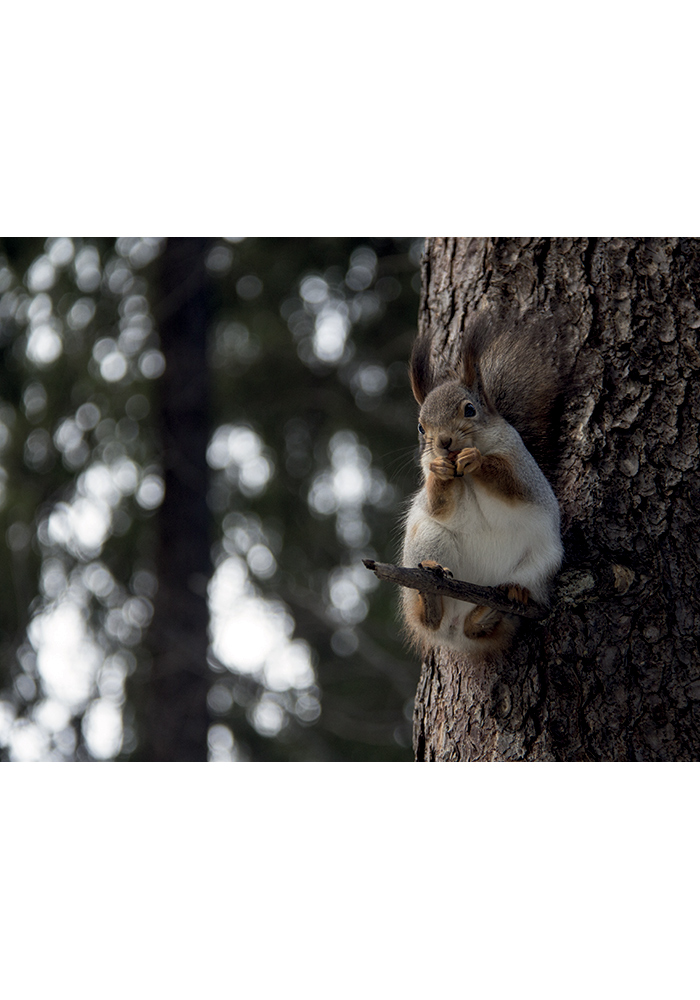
{"points": [[443, 468], [435, 567], [481, 621], [468, 460], [516, 593]]}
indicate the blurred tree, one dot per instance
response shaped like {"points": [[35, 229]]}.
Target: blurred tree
{"points": [[176, 719], [308, 421], [614, 673]]}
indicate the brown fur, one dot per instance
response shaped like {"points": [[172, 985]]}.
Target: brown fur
{"points": [[496, 474], [481, 622], [421, 611], [488, 627], [517, 593], [442, 496], [430, 610]]}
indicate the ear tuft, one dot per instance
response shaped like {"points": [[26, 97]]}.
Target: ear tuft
{"points": [[470, 370], [421, 370]]}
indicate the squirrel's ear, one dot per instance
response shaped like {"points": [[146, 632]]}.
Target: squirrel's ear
{"points": [[421, 370], [479, 332], [471, 376], [470, 369]]}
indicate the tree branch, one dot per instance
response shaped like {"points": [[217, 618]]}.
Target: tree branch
{"points": [[429, 582]]}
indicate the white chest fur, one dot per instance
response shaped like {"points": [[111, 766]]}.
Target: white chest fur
{"points": [[488, 540]]}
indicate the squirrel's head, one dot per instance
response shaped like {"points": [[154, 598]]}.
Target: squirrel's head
{"points": [[452, 411], [514, 370], [451, 414]]}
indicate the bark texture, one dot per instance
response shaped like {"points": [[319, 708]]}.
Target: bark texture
{"points": [[614, 672]]}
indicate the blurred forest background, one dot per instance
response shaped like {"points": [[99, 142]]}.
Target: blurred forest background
{"points": [[199, 442]]}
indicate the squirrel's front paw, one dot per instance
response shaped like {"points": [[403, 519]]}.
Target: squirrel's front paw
{"points": [[468, 460], [515, 592], [435, 567], [443, 468]]}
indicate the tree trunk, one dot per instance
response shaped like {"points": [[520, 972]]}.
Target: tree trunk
{"points": [[176, 716], [614, 672]]}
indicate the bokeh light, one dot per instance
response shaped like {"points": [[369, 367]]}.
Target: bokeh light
{"points": [[83, 478]]}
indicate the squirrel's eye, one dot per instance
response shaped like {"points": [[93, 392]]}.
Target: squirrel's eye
{"points": [[469, 410], [421, 429]]}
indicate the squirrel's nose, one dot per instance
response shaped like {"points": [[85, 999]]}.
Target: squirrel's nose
{"points": [[445, 443]]}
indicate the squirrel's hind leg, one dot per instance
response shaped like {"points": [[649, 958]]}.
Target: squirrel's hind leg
{"points": [[481, 622], [431, 607], [426, 610], [491, 630]]}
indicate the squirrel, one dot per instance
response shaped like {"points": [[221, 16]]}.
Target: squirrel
{"points": [[485, 514]]}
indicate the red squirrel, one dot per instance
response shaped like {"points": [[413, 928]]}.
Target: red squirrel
{"points": [[485, 513]]}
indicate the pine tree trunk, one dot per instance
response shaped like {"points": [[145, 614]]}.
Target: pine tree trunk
{"points": [[176, 716], [614, 672]]}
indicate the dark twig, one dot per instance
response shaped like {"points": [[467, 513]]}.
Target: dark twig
{"points": [[430, 582]]}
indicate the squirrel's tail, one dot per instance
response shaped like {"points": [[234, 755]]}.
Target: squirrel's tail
{"points": [[517, 364]]}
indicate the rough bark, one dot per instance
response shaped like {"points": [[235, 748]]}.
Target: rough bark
{"points": [[176, 716], [614, 672]]}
